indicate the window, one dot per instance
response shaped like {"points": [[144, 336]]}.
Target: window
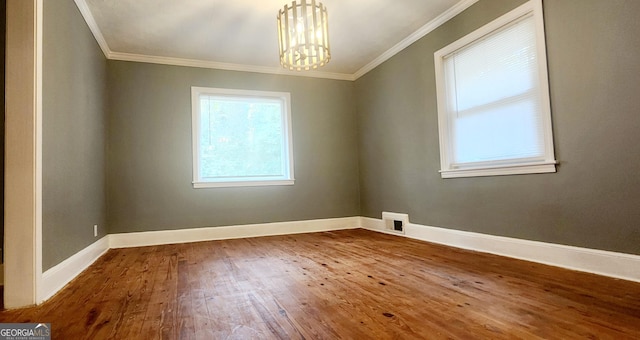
{"points": [[241, 138], [494, 115]]}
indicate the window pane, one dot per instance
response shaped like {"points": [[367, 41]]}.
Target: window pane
{"points": [[511, 130], [241, 137], [493, 98], [497, 67], [494, 116]]}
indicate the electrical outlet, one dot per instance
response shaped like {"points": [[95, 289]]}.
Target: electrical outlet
{"points": [[95, 230]]}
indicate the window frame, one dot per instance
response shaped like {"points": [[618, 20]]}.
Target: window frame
{"points": [[287, 144], [514, 166]]}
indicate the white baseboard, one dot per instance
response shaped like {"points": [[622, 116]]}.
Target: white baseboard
{"points": [[150, 238], [618, 265], [57, 277], [607, 263]]}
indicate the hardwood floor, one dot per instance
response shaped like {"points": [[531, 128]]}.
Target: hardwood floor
{"points": [[352, 284]]}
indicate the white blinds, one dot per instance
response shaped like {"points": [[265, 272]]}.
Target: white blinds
{"points": [[493, 97]]}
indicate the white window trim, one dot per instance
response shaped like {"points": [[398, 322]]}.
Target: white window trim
{"points": [[286, 179], [508, 167]]}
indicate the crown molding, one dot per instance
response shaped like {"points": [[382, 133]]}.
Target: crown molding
{"points": [[406, 42], [415, 36], [224, 66], [93, 26]]}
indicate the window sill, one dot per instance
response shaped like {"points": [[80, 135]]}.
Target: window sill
{"points": [[538, 168], [204, 185]]}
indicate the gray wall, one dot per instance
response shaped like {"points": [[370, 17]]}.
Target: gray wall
{"points": [[74, 98], [150, 157], [592, 201], [360, 148]]}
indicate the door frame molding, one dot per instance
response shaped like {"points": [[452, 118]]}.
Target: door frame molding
{"points": [[23, 154]]}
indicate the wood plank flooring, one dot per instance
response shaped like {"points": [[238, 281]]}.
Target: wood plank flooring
{"points": [[351, 284]]}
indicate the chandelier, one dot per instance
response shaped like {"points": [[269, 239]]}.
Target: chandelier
{"points": [[303, 35]]}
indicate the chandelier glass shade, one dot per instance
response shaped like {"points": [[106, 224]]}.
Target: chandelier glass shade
{"points": [[303, 35]]}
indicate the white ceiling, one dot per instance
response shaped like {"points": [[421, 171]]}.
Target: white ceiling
{"points": [[242, 34]]}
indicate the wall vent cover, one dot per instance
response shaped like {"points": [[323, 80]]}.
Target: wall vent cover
{"points": [[395, 222]]}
